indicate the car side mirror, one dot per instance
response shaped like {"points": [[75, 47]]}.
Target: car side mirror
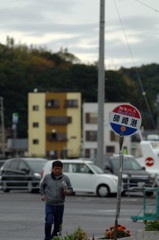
{"points": [[26, 171]]}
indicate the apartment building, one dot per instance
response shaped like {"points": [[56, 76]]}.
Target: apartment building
{"points": [[54, 124], [90, 128]]}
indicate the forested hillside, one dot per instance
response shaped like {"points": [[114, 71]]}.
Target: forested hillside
{"points": [[23, 68]]}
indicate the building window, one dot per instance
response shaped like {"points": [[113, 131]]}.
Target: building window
{"points": [[71, 103], [91, 153], [91, 118], [56, 136], [114, 137], [110, 149], [73, 137], [35, 108], [53, 154], [53, 103], [87, 153], [35, 141], [91, 136], [58, 120], [35, 124], [64, 153]]}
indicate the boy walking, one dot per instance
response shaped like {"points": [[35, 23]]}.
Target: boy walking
{"points": [[54, 188]]}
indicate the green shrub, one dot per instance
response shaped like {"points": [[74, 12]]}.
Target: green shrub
{"points": [[78, 234], [151, 225]]}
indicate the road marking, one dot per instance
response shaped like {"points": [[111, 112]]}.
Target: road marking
{"points": [[113, 210]]}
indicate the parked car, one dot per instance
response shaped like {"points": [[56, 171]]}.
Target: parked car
{"points": [[22, 173], [86, 177], [1, 164], [134, 176]]}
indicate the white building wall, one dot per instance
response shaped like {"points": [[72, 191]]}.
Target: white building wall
{"points": [[108, 107]]}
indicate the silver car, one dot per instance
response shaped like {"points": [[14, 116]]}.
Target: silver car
{"points": [[22, 173]]}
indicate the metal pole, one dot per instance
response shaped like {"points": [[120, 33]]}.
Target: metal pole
{"points": [[2, 127], [121, 139], [101, 89]]}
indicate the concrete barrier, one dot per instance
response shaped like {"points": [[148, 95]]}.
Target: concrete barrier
{"points": [[125, 238], [146, 235]]}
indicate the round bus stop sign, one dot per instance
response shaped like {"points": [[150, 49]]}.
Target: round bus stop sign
{"points": [[125, 119]]}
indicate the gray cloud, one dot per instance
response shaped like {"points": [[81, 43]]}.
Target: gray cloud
{"points": [[38, 18]]}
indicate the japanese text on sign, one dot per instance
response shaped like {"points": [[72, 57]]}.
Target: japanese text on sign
{"points": [[125, 120], [127, 111]]}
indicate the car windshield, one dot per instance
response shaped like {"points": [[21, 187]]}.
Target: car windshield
{"points": [[37, 165], [96, 168], [128, 164]]}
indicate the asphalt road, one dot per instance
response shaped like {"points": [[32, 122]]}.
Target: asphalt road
{"points": [[22, 215]]}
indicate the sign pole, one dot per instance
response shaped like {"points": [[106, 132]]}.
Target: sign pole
{"points": [[121, 140], [125, 120]]}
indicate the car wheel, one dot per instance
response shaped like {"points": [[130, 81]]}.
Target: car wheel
{"points": [[123, 193], [149, 194], [5, 187], [35, 190], [30, 186], [103, 191], [134, 220]]}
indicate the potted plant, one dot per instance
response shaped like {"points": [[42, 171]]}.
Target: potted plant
{"points": [[150, 232], [122, 233], [151, 225], [78, 234]]}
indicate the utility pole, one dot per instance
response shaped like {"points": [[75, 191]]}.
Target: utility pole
{"points": [[15, 118], [2, 127], [157, 103], [101, 87]]}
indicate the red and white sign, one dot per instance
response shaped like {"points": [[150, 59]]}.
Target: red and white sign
{"points": [[149, 162], [125, 118]]}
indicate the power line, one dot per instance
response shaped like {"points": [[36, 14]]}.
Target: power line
{"points": [[146, 5], [136, 70]]}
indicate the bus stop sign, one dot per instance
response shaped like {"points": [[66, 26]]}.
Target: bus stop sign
{"points": [[126, 119]]}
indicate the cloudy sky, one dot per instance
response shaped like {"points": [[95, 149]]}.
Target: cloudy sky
{"points": [[131, 28]]}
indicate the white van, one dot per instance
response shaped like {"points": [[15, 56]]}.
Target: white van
{"points": [[86, 177]]}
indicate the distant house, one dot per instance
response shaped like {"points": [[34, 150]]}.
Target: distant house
{"points": [[54, 124], [90, 128]]}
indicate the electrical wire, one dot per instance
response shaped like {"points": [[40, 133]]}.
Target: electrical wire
{"points": [[136, 70], [146, 5]]}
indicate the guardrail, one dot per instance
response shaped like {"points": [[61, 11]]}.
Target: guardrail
{"points": [[137, 184], [129, 184], [26, 183]]}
